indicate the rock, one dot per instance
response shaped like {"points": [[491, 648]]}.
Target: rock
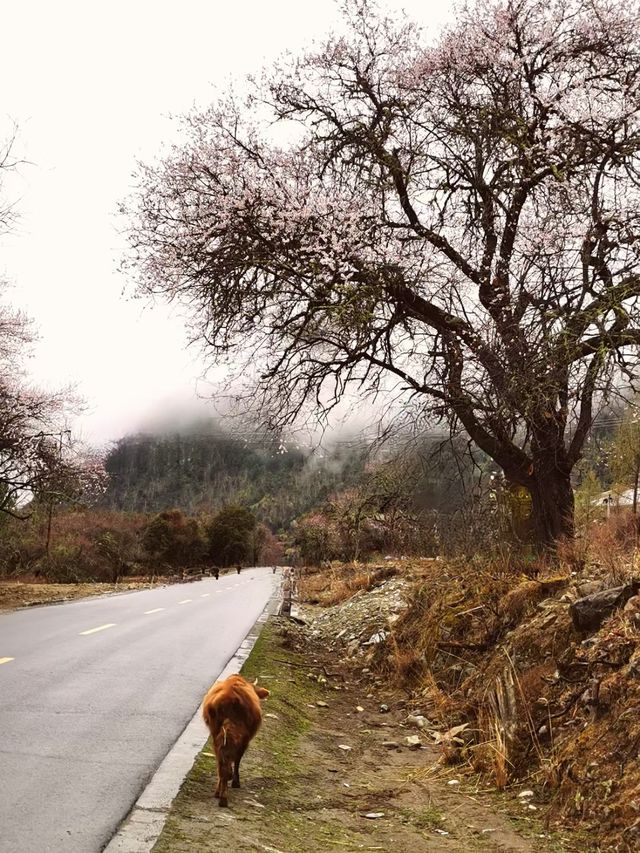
{"points": [[413, 742], [633, 605], [589, 613], [344, 747], [391, 744], [374, 815], [589, 587], [272, 716], [453, 782], [359, 709], [322, 704], [378, 637], [525, 795], [384, 709], [418, 721]]}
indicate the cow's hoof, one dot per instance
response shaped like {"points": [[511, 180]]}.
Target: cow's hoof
{"points": [[235, 784], [223, 802]]}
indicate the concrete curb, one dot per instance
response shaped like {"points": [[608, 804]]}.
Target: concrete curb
{"points": [[141, 828]]}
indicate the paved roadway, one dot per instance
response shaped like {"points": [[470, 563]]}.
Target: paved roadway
{"points": [[94, 693]]}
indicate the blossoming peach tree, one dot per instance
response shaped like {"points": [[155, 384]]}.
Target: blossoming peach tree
{"points": [[459, 216]]}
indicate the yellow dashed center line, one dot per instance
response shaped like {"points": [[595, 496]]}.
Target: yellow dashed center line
{"points": [[155, 610], [99, 628], [6, 660], [186, 601]]}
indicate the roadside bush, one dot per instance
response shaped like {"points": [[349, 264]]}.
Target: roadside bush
{"points": [[173, 539], [85, 545], [315, 539]]}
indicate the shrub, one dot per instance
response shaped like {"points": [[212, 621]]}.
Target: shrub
{"points": [[232, 536], [174, 539]]}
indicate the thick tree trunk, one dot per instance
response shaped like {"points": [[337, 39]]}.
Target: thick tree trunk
{"points": [[552, 507]]}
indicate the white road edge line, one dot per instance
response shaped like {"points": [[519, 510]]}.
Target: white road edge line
{"points": [[99, 628], [155, 610], [185, 601]]}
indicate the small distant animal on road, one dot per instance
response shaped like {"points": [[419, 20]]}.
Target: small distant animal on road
{"points": [[231, 709], [238, 568]]}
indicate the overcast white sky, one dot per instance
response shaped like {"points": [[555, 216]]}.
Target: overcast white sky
{"points": [[91, 87]]}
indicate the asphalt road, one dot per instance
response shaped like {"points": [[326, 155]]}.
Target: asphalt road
{"points": [[94, 693]]}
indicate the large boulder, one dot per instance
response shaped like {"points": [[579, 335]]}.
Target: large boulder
{"points": [[588, 613]]}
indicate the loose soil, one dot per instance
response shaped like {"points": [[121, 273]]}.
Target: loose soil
{"points": [[302, 792]]}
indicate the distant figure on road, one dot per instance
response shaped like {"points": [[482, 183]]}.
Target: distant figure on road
{"points": [[216, 572], [238, 568], [274, 569]]}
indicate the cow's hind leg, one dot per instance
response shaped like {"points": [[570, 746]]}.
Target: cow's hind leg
{"points": [[235, 783], [225, 776], [216, 793]]}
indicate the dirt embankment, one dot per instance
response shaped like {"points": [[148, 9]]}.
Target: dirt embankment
{"points": [[542, 671], [330, 770]]}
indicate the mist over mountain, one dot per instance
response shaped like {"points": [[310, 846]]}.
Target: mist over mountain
{"points": [[199, 466]]}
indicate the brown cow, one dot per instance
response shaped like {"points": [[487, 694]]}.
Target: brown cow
{"points": [[231, 709]]}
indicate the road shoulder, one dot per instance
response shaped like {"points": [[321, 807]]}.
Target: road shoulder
{"points": [[329, 771]]}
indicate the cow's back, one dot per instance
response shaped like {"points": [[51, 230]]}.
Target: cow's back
{"points": [[233, 700]]}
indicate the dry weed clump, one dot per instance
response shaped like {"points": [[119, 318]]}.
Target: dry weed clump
{"points": [[611, 544], [330, 586]]}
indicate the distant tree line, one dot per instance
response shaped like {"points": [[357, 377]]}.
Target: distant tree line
{"points": [[201, 472], [94, 544]]}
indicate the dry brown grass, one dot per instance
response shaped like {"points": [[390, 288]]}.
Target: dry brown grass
{"points": [[331, 586], [522, 599], [16, 594], [477, 645], [611, 545]]}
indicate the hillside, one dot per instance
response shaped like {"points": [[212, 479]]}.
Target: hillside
{"points": [[200, 470]]}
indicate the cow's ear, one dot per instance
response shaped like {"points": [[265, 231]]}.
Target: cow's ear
{"points": [[261, 691]]}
